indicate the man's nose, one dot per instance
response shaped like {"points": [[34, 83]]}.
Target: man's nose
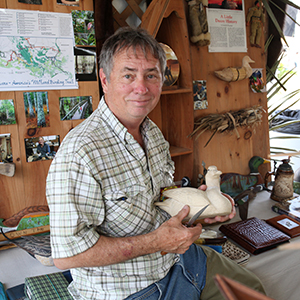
{"points": [[141, 86]]}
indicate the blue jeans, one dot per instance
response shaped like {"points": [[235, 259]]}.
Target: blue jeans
{"points": [[185, 280]]}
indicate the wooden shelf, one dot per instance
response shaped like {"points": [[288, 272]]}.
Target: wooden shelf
{"points": [[178, 151], [175, 90], [174, 115]]}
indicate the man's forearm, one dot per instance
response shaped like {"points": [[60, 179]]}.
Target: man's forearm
{"points": [[109, 250]]}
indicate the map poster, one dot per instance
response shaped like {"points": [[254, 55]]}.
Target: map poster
{"points": [[36, 51]]}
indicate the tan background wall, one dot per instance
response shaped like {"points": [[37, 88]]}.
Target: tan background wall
{"points": [[27, 186], [225, 151]]}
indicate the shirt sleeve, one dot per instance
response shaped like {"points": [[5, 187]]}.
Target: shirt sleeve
{"points": [[75, 202]]}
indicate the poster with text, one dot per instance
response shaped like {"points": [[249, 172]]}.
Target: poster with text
{"points": [[227, 26], [36, 50]]}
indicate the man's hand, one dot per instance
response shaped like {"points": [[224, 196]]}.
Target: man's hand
{"points": [[220, 218], [174, 237]]}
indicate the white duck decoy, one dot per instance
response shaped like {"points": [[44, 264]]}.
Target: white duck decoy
{"points": [[219, 204], [236, 74]]}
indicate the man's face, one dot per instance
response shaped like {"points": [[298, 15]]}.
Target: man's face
{"points": [[134, 87], [41, 141]]}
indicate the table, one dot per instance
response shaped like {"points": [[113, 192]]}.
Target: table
{"points": [[278, 270]]}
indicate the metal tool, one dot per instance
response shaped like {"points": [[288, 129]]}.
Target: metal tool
{"points": [[191, 221], [196, 216]]}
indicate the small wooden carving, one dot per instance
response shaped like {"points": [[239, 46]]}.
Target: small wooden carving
{"points": [[236, 74], [197, 199]]}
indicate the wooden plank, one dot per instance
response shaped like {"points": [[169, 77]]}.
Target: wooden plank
{"points": [[134, 5], [153, 16], [25, 232]]}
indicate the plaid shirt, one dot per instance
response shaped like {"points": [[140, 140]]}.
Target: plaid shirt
{"points": [[102, 183]]}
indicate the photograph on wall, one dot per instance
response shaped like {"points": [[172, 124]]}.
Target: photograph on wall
{"points": [[227, 26], [200, 94], [5, 148], [31, 1], [68, 2], [226, 4], [85, 64], [7, 112], [84, 27], [36, 109], [36, 51], [75, 108], [257, 82], [41, 147]]}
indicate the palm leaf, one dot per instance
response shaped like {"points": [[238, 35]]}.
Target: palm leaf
{"points": [[273, 18], [284, 125]]}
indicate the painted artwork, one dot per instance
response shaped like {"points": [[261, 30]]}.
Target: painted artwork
{"points": [[75, 108], [7, 112], [200, 94], [36, 109], [84, 27], [172, 67]]}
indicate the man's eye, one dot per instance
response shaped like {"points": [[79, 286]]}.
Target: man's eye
{"points": [[152, 76], [127, 76]]}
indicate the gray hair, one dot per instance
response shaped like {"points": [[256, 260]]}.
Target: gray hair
{"points": [[130, 38]]}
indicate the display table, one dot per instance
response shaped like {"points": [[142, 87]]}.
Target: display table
{"points": [[279, 270]]}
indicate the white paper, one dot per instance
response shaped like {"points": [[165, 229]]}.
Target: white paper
{"points": [[227, 29], [36, 50]]}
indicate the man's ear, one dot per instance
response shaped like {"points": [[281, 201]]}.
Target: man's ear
{"points": [[104, 80]]}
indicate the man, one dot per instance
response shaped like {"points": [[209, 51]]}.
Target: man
{"points": [[256, 17], [103, 182], [43, 148]]}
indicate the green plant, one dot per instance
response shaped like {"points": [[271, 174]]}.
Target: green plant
{"points": [[277, 78]]}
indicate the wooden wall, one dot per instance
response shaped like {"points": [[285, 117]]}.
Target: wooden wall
{"points": [[27, 186], [225, 151]]}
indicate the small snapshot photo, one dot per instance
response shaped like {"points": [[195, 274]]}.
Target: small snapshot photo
{"points": [[257, 83], [75, 108], [31, 1], [68, 2], [41, 147], [36, 109], [7, 112], [5, 148], [200, 94], [84, 27], [85, 64]]}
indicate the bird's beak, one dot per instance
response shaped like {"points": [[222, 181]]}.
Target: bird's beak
{"points": [[266, 161]]}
